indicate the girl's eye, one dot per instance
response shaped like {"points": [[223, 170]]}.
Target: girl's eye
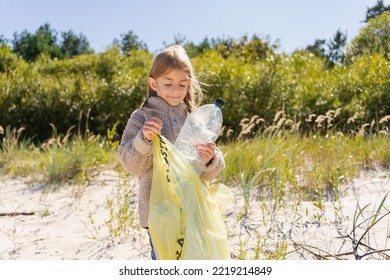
{"points": [[167, 85], [183, 86]]}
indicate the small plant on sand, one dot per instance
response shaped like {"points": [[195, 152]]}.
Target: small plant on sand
{"points": [[248, 184], [279, 253], [361, 245], [16, 152], [121, 208], [70, 159], [242, 249]]}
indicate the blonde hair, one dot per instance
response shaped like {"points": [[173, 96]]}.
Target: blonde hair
{"points": [[175, 58]]}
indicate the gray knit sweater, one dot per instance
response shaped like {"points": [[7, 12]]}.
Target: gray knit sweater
{"points": [[135, 154]]}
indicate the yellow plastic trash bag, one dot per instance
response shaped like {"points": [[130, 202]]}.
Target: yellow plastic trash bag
{"points": [[185, 220]]}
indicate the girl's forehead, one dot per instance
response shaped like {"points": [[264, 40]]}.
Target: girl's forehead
{"points": [[175, 74]]}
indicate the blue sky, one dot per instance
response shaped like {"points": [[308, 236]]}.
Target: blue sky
{"points": [[294, 23]]}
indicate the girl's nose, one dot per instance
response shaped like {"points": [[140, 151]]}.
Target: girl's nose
{"points": [[175, 88]]}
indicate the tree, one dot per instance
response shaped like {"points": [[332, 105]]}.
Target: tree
{"points": [[256, 48], [29, 46], [250, 49], [179, 39], [378, 9], [374, 38], [130, 41], [73, 44], [3, 40], [44, 40], [318, 48], [335, 47], [22, 45], [7, 59], [332, 50], [191, 48], [195, 49]]}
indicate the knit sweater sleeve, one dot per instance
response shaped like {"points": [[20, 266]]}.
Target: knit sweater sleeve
{"points": [[135, 153]]}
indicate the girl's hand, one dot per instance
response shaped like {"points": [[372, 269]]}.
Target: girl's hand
{"points": [[151, 127], [206, 151]]}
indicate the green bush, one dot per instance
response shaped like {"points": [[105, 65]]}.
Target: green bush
{"points": [[90, 91], [95, 91]]}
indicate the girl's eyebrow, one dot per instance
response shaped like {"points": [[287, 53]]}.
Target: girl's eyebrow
{"points": [[169, 79]]}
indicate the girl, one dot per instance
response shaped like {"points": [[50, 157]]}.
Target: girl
{"points": [[172, 90]]}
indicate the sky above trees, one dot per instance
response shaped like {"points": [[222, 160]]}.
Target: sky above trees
{"points": [[295, 24]]}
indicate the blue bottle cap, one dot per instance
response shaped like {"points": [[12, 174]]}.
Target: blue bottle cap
{"points": [[219, 103]]}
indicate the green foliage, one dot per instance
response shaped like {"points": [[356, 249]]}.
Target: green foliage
{"points": [[318, 48], [30, 46], [129, 41], [374, 38], [93, 90], [44, 41], [336, 47], [376, 10], [245, 48], [73, 44], [249, 50], [96, 91], [332, 51], [7, 59], [3, 40]]}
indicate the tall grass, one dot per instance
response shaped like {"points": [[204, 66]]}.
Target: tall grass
{"points": [[72, 158], [310, 166], [275, 157]]}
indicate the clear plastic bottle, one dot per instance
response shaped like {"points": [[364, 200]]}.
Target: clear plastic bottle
{"points": [[202, 126]]}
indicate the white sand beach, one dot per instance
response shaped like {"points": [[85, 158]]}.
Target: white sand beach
{"points": [[74, 222]]}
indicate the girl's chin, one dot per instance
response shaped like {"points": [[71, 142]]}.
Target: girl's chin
{"points": [[174, 101]]}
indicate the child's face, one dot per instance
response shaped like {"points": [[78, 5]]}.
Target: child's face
{"points": [[172, 86]]}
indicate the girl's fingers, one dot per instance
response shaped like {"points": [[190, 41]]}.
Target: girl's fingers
{"points": [[155, 120], [154, 124], [152, 127], [206, 151], [209, 147]]}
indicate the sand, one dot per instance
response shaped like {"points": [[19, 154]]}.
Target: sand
{"points": [[73, 222]]}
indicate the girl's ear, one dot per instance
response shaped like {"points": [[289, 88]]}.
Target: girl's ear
{"points": [[153, 84]]}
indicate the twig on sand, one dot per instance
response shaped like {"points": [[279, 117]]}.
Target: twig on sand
{"points": [[13, 214]]}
